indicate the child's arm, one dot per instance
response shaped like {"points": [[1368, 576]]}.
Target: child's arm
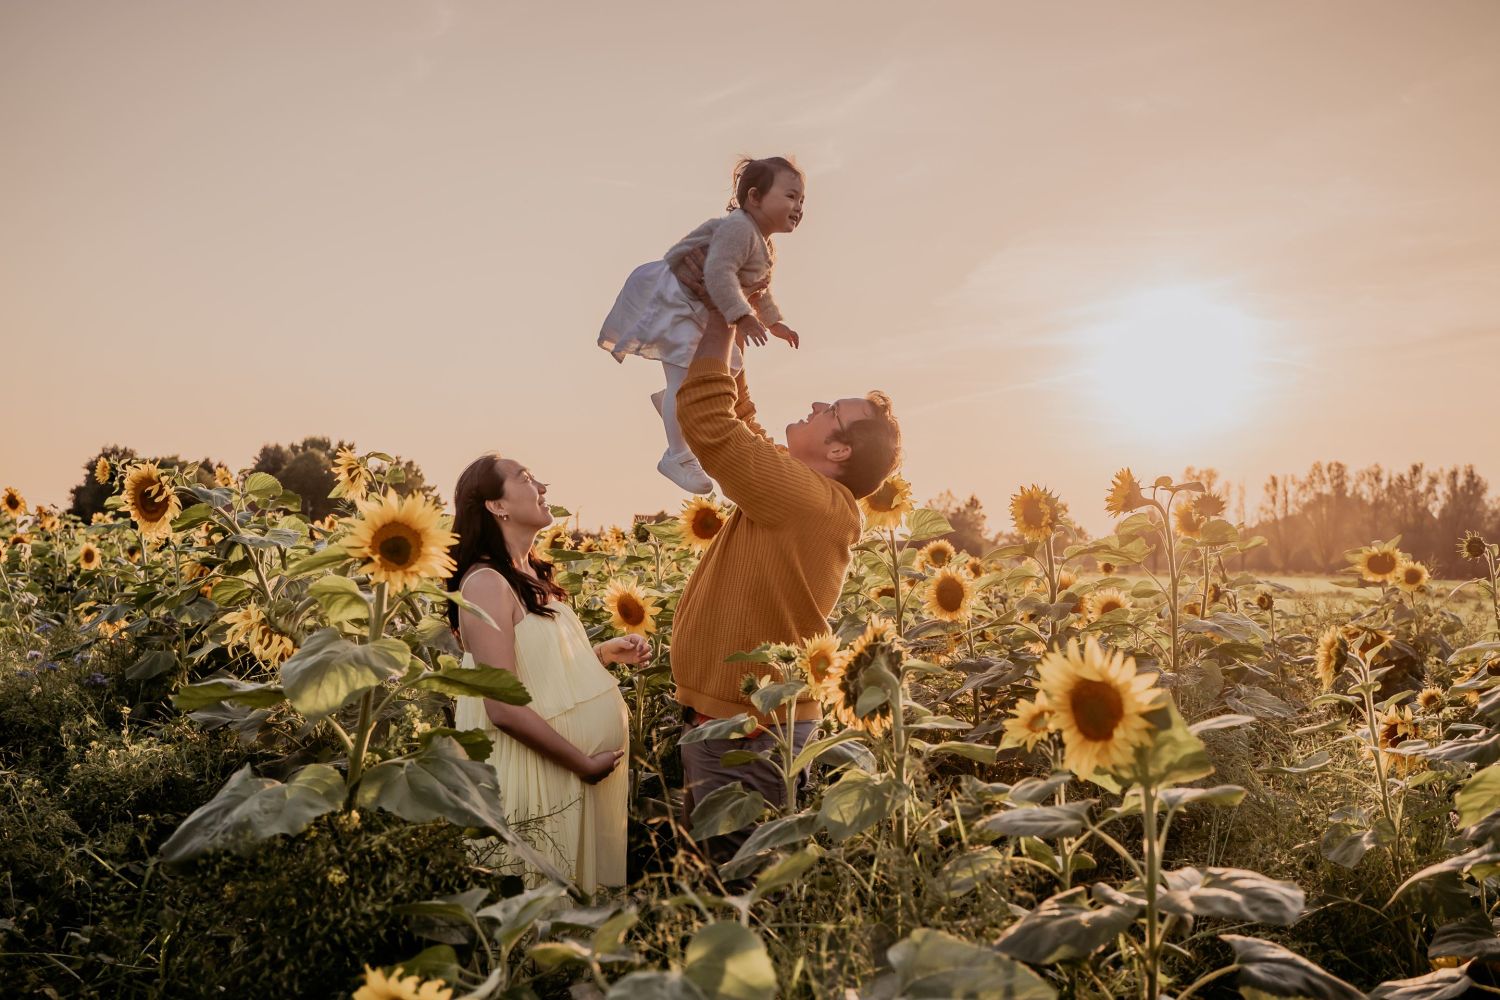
{"points": [[733, 244]]}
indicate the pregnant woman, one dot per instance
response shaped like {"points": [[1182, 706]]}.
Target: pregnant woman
{"points": [[557, 757]]}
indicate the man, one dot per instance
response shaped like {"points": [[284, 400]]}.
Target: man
{"points": [[776, 568]]}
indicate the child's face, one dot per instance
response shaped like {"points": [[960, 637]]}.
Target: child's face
{"points": [[781, 206]]}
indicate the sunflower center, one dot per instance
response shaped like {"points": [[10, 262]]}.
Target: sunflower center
{"points": [[1097, 709], [1413, 576], [396, 545], [950, 594], [152, 500], [1381, 562], [817, 666], [706, 523], [630, 610], [1109, 604]]}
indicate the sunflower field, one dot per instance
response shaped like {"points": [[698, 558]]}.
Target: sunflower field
{"points": [[1061, 768]]}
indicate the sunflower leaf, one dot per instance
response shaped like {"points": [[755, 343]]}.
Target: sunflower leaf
{"points": [[856, 802], [728, 960], [726, 809], [340, 598], [324, 559], [1283, 973], [926, 523], [329, 671], [248, 810], [932, 964], [479, 682], [192, 697]]}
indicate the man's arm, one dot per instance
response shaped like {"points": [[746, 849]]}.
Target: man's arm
{"points": [[689, 272]]}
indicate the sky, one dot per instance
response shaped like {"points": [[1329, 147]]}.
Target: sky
{"points": [[1064, 238]]}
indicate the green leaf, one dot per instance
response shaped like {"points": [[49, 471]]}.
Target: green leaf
{"points": [[329, 671], [771, 697], [1219, 795], [1479, 797], [655, 986], [475, 743], [262, 486], [1232, 894], [340, 599], [192, 697], [785, 871], [733, 727], [438, 962], [926, 523], [768, 836], [1282, 973], [248, 810], [931, 965], [812, 751], [1175, 756], [961, 874], [856, 802], [727, 960], [1440, 984], [320, 561], [195, 515], [726, 809], [477, 682], [518, 914], [1065, 820], [1064, 927], [1319, 761], [972, 751], [153, 664], [228, 591]]}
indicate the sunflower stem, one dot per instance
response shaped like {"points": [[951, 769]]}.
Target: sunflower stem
{"points": [[366, 702], [890, 541], [1151, 845], [1172, 572]]}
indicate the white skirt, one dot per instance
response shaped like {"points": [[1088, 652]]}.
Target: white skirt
{"points": [[654, 317]]}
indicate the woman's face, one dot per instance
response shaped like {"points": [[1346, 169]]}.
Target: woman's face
{"points": [[525, 498]]}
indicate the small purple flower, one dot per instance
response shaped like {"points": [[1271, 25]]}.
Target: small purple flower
{"points": [[49, 665], [97, 680], [24, 673], [44, 627], [33, 654]]}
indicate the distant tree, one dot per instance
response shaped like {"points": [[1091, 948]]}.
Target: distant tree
{"points": [[88, 496], [968, 520], [306, 468]]}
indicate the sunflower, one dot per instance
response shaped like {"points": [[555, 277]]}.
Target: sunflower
{"points": [[975, 567], [1189, 522], [1124, 494], [1396, 727], [101, 470], [150, 500], [877, 645], [1411, 576], [249, 627], [886, 592], [192, 570], [353, 475], [1329, 659], [402, 541], [132, 552], [1037, 512], [888, 504], [109, 629], [89, 557], [1099, 603], [820, 658], [223, 477], [1379, 563], [936, 555], [1028, 722], [1472, 546], [950, 596], [18, 538], [379, 986], [613, 540], [328, 524], [1208, 505], [1107, 568], [46, 519], [13, 502], [1430, 699], [1265, 600], [1099, 703], [556, 537], [100, 517], [630, 610], [1066, 580], [702, 521]]}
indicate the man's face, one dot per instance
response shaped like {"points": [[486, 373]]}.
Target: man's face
{"points": [[811, 439]]}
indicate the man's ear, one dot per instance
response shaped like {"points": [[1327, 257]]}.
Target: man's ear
{"points": [[839, 451]]}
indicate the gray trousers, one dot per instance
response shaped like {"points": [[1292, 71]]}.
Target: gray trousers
{"points": [[702, 773]]}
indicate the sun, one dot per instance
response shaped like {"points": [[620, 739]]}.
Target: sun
{"points": [[1155, 341]]}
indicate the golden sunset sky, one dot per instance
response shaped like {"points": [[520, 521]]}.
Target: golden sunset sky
{"points": [[1064, 237]]}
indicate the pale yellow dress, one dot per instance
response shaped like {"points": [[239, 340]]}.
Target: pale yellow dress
{"points": [[582, 827]]}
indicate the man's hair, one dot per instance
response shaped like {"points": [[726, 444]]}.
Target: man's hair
{"points": [[874, 448]]}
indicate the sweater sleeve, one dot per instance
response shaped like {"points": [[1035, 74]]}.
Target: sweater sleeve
{"points": [[763, 481], [733, 244], [767, 309]]}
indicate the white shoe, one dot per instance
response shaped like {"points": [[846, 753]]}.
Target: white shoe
{"points": [[684, 470], [656, 398]]}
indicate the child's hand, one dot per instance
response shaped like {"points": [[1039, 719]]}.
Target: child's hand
{"points": [[783, 332], [752, 329]]}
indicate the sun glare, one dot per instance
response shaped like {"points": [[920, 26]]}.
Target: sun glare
{"points": [[1198, 356]]}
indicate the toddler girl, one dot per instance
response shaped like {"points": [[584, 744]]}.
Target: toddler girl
{"points": [[655, 317]]}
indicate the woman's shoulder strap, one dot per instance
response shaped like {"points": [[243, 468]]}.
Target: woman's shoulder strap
{"points": [[476, 570]]}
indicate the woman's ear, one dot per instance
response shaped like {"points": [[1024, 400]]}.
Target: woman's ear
{"points": [[493, 506]]}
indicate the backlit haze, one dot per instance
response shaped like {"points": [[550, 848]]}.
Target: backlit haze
{"points": [[1063, 237]]}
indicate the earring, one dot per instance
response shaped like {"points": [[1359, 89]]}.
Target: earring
{"points": [[504, 516]]}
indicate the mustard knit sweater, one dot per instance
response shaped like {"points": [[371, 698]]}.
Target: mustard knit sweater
{"points": [[775, 570]]}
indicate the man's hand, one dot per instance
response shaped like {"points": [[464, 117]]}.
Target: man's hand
{"points": [[689, 273], [783, 332]]}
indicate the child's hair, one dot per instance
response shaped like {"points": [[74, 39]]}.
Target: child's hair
{"points": [[757, 174]]}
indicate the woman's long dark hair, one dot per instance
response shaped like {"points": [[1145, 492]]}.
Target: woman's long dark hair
{"points": [[482, 543]]}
